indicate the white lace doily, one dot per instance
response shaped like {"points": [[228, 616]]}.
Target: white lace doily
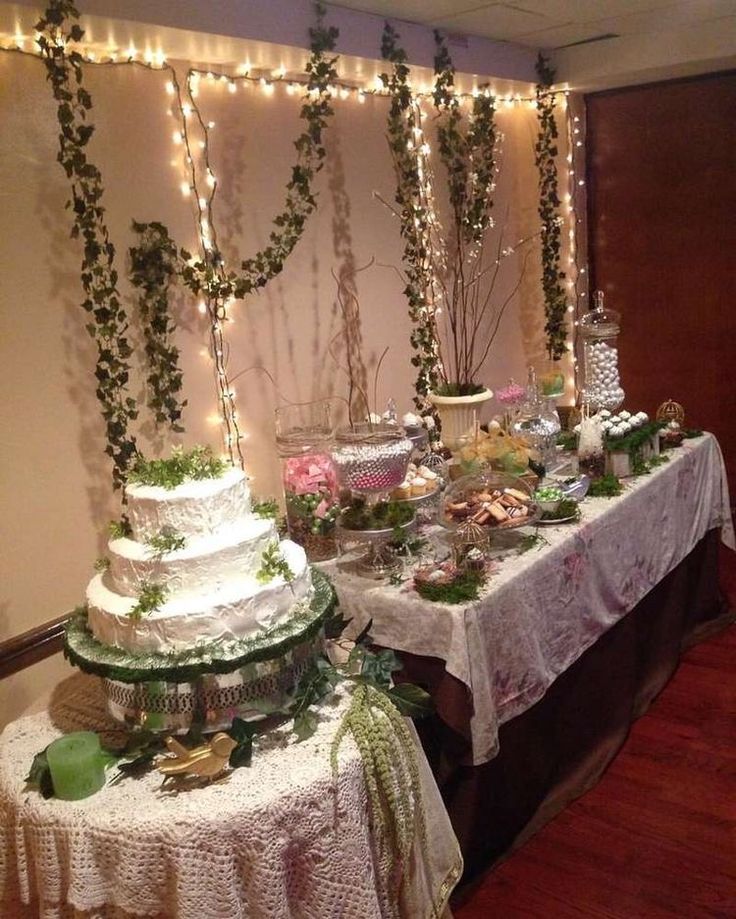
{"points": [[273, 841]]}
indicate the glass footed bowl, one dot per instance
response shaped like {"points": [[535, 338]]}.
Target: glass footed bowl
{"points": [[371, 458], [472, 497]]}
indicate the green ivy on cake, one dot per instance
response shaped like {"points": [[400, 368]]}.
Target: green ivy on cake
{"points": [[195, 464]]}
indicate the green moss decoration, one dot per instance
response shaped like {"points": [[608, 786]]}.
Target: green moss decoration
{"points": [[384, 515], [192, 465], [464, 588], [608, 486]]}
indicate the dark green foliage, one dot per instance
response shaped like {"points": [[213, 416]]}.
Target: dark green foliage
{"points": [[153, 266], [197, 463], [413, 213], [608, 486], [108, 323], [243, 732], [40, 774], [545, 152], [102, 563]]}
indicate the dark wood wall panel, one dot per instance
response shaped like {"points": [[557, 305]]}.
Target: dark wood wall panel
{"points": [[662, 224]]}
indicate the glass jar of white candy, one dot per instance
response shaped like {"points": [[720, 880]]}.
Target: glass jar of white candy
{"points": [[601, 383]]}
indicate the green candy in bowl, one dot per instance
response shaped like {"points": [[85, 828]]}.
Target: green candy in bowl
{"points": [[548, 497]]}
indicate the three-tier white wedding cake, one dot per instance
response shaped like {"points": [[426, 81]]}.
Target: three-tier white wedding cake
{"points": [[210, 586], [199, 612]]}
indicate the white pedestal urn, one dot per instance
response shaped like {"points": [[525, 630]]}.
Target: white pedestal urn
{"points": [[458, 415]]}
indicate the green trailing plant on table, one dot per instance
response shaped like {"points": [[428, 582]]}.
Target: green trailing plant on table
{"points": [[268, 507], [58, 33], [545, 155], [464, 588]]}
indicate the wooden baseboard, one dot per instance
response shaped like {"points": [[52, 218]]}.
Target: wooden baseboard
{"points": [[31, 647]]}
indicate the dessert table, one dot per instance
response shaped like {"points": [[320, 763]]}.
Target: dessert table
{"points": [[628, 572], [276, 839]]}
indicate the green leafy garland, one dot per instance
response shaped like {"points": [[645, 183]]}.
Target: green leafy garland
{"points": [[439, 269], [414, 220], [273, 565], [545, 151], [108, 323], [152, 270], [206, 275]]}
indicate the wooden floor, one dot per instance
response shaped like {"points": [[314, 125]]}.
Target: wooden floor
{"points": [[656, 837]]}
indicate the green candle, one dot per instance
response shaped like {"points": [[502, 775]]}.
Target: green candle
{"points": [[77, 765]]}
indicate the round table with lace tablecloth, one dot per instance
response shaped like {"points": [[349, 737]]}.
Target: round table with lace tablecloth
{"points": [[273, 840]]}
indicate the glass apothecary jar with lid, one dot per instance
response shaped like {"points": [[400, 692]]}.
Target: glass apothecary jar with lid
{"points": [[304, 439], [599, 331]]}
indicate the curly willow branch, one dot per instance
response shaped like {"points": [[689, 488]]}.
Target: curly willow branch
{"points": [[108, 323], [545, 151]]}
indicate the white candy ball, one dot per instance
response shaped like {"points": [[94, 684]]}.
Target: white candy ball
{"points": [[624, 415]]}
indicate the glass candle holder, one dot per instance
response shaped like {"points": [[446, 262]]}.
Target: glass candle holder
{"points": [[304, 437], [77, 765]]}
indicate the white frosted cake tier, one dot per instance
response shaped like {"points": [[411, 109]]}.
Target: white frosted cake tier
{"points": [[204, 564], [194, 508], [236, 609]]}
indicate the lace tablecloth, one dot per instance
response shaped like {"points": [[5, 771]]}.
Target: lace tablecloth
{"points": [[544, 608], [274, 841]]}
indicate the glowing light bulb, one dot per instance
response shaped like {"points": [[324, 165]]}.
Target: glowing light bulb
{"points": [[177, 137], [170, 88], [231, 86], [185, 189]]}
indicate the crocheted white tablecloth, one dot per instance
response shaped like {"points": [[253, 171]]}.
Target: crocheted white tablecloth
{"points": [[544, 608], [274, 841]]}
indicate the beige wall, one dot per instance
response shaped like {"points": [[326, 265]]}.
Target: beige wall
{"points": [[54, 479]]}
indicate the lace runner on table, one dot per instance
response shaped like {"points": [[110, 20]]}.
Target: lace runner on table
{"points": [[544, 608], [273, 841]]}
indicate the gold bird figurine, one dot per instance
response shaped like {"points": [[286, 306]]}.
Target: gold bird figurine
{"points": [[206, 761]]}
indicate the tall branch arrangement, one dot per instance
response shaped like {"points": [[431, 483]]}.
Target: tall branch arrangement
{"points": [[205, 274], [545, 152], [108, 323], [450, 274]]}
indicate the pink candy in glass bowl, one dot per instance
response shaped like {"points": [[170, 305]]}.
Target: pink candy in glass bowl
{"points": [[371, 458]]}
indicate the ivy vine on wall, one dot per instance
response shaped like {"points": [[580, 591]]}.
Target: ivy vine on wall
{"points": [[415, 221], [205, 274], [152, 270], [108, 324], [545, 153]]}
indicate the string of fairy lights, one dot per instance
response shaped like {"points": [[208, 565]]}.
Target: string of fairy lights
{"points": [[200, 184]]}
